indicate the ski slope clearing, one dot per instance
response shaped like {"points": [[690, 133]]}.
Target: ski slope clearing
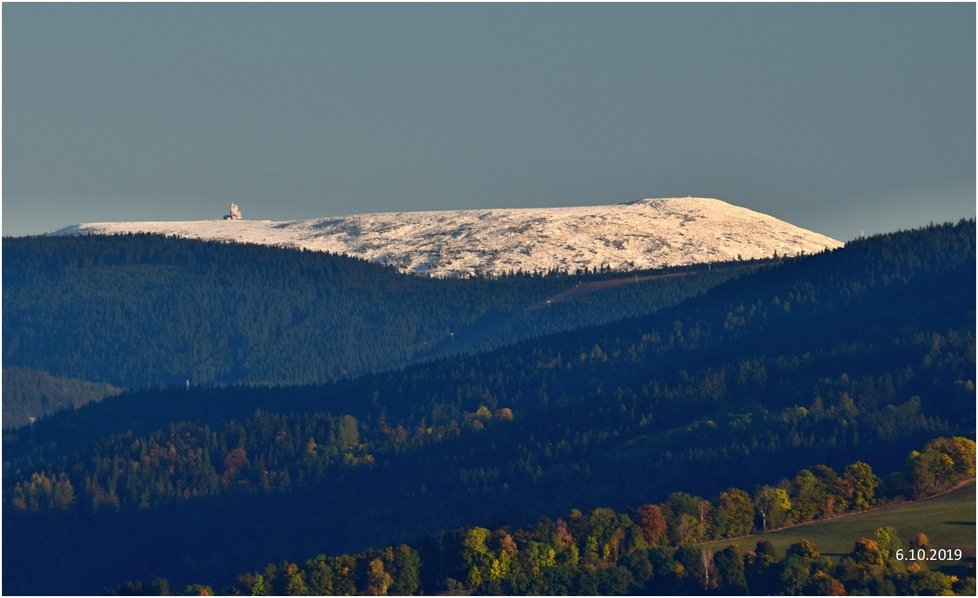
{"points": [[651, 233]]}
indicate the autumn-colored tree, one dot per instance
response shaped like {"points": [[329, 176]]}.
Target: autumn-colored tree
{"points": [[235, 463], [197, 590], [920, 541], [773, 505], [867, 553], [604, 537], [503, 555], [504, 542], [689, 518], [808, 495], [63, 494], [539, 557], [344, 575], [823, 584], [378, 579], [652, 522], [943, 463], [562, 535], [565, 546], [733, 515], [577, 525], [888, 541], [319, 576], [962, 453], [504, 414], [930, 472], [42, 493], [796, 568], [476, 556], [863, 484], [499, 569], [294, 579], [254, 584], [837, 491], [862, 569]]}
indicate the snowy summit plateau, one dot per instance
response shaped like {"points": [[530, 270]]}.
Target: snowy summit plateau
{"points": [[645, 234]]}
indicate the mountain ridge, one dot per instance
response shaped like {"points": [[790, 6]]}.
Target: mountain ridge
{"points": [[645, 234]]}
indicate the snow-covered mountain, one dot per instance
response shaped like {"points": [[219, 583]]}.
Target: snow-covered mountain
{"points": [[644, 234]]}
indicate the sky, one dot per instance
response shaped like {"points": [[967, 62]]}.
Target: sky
{"points": [[839, 118]]}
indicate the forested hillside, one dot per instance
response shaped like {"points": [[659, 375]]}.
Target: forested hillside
{"points": [[143, 310], [29, 394], [861, 354], [657, 549]]}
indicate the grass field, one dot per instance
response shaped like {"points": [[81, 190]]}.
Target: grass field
{"points": [[948, 520]]}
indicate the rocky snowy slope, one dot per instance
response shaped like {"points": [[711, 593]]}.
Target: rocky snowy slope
{"points": [[644, 234]]}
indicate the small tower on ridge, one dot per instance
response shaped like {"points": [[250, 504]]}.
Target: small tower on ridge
{"points": [[234, 213]]}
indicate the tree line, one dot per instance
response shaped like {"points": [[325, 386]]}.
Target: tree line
{"points": [[651, 549]]}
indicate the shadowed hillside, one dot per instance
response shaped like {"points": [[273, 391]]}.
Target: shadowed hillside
{"points": [[829, 359]]}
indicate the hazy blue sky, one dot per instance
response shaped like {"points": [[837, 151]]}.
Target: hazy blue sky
{"points": [[838, 118]]}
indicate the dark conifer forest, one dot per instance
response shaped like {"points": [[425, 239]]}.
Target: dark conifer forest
{"points": [[432, 436], [143, 310]]}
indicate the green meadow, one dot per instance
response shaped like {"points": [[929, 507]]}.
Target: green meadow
{"points": [[948, 520]]}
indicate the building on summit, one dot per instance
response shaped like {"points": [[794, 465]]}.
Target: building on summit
{"points": [[234, 213]]}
